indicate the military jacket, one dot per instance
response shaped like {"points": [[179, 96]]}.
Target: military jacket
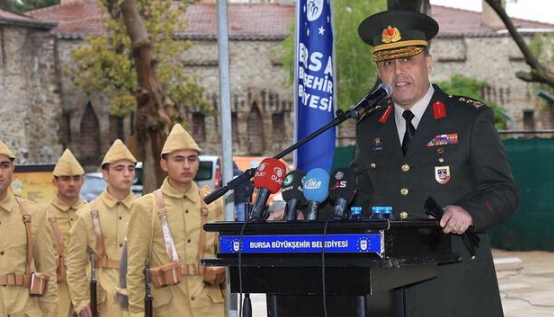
{"points": [[457, 158], [66, 216], [191, 296], [113, 216], [13, 252]]}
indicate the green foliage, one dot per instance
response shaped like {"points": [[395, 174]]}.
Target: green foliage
{"points": [[461, 85], [356, 71], [106, 64], [542, 47]]}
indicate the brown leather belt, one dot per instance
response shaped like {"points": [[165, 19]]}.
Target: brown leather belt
{"points": [[192, 269], [14, 280], [106, 263]]}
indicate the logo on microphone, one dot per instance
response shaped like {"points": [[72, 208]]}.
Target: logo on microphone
{"points": [[341, 184], [288, 180], [278, 176], [278, 171], [261, 167], [339, 175], [312, 183]]}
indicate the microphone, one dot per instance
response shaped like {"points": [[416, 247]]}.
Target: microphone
{"points": [[268, 179], [292, 193], [342, 189], [369, 102], [316, 189]]}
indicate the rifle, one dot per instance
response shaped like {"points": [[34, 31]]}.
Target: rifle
{"points": [[93, 299], [148, 309]]}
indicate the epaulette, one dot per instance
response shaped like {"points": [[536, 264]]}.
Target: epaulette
{"points": [[475, 103]]}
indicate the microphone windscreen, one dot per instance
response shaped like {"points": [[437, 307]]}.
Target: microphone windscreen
{"points": [[292, 186], [316, 185], [270, 174], [342, 184]]}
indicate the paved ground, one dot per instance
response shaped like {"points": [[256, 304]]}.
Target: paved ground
{"points": [[526, 282]]}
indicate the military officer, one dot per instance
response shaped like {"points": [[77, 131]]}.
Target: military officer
{"points": [[425, 143], [100, 230], [25, 252], [62, 213], [173, 215]]}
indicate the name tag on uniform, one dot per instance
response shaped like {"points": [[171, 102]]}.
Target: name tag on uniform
{"points": [[443, 139]]}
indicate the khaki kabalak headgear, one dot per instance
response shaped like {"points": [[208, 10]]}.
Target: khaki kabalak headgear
{"points": [[4, 150], [179, 139], [68, 165], [117, 152]]}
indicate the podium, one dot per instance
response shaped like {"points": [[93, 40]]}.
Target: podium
{"points": [[366, 264]]}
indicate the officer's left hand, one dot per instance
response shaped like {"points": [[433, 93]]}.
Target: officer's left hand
{"points": [[455, 220]]}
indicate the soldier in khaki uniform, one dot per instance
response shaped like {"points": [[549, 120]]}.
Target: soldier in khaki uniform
{"points": [[17, 261], [184, 215], [100, 230], [62, 214]]}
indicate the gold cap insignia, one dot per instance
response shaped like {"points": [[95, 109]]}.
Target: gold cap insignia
{"points": [[390, 35]]}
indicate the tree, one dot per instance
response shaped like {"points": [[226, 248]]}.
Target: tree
{"points": [[539, 73], [137, 63]]}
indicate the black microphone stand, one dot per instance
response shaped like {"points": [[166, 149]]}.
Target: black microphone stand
{"points": [[340, 117]]}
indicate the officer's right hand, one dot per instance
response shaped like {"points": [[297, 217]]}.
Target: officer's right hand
{"points": [[85, 312]]}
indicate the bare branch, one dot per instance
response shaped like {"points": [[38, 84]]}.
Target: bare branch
{"points": [[538, 73]]}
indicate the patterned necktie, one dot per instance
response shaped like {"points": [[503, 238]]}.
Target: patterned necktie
{"points": [[410, 130]]}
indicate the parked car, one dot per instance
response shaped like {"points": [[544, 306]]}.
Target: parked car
{"points": [[210, 172]]}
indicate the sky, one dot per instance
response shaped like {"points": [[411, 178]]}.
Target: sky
{"points": [[536, 10]]}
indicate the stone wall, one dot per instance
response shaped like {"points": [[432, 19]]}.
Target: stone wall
{"points": [[262, 104], [30, 105], [496, 61]]}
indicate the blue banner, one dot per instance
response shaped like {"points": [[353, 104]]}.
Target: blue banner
{"points": [[311, 243], [314, 83]]}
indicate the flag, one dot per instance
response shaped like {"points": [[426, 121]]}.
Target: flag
{"points": [[314, 83]]}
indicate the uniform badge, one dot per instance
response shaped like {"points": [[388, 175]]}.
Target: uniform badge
{"points": [[439, 111], [443, 139], [442, 174], [385, 115], [378, 145], [390, 34]]}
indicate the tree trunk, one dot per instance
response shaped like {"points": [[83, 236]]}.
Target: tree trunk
{"points": [[152, 121]]}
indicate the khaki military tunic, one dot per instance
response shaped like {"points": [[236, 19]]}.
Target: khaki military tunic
{"points": [[191, 297], [113, 217], [65, 216], [15, 301]]}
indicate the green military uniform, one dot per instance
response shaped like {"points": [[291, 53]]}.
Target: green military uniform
{"points": [[113, 216], [456, 157], [62, 217], [15, 300], [192, 297]]}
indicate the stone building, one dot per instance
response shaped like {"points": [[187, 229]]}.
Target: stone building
{"points": [[470, 43], [30, 105]]}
